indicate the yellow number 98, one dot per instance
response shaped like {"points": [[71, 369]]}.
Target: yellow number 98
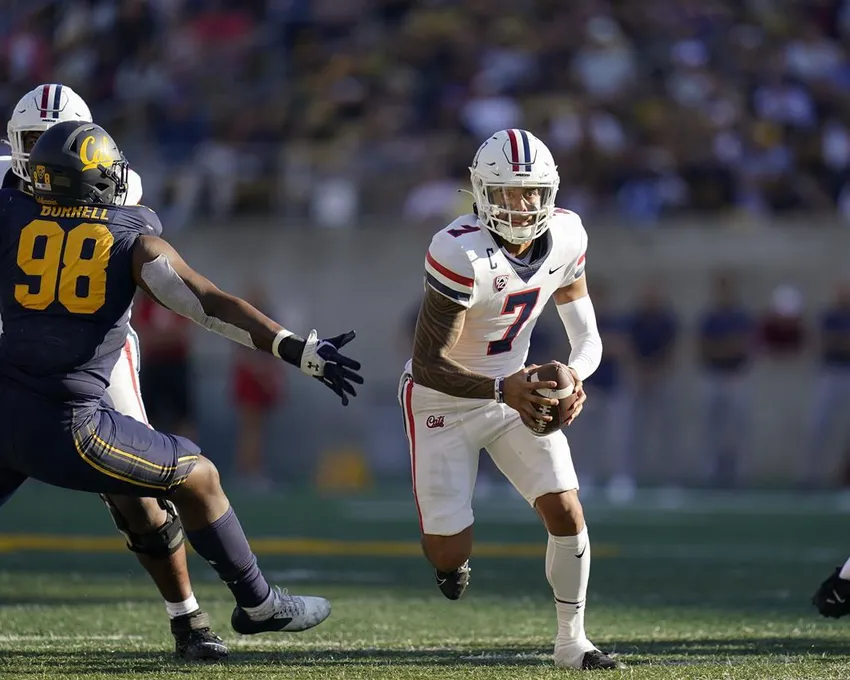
{"points": [[59, 274]]}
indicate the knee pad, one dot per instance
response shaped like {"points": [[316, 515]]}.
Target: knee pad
{"points": [[159, 543]]}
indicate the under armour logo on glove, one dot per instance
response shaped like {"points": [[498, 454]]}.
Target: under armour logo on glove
{"points": [[322, 360]]}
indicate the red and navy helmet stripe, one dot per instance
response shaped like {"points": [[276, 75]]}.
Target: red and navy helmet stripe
{"points": [[45, 98], [520, 150], [51, 101], [57, 101]]}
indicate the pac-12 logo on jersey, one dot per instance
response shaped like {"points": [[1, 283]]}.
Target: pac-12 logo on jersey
{"points": [[500, 282]]}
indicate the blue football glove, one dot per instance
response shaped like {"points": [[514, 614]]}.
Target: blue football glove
{"points": [[322, 360]]}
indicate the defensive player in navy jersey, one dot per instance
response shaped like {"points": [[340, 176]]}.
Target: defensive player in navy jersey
{"points": [[150, 526], [71, 258]]}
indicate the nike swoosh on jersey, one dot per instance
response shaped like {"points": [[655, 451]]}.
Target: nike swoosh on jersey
{"points": [[552, 271]]}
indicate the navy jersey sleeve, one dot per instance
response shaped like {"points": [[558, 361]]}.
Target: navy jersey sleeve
{"points": [[6, 198], [10, 181], [150, 224], [136, 220]]}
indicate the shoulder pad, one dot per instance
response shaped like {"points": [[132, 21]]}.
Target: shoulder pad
{"points": [[145, 220], [567, 218], [448, 269], [568, 226]]}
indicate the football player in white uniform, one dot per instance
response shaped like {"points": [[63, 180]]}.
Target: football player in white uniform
{"points": [[151, 527], [488, 277]]}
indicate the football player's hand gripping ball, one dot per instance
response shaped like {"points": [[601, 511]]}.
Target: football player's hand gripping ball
{"points": [[521, 395]]}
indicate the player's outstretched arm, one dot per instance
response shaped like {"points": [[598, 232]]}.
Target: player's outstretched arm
{"points": [[159, 270]]}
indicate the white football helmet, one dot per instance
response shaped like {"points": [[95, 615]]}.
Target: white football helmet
{"points": [[37, 111], [514, 158]]}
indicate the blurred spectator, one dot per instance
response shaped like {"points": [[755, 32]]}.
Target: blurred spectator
{"points": [[221, 164], [165, 366], [604, 64], [257, 383], [388, 445], [653, 335], [488, 110], [831, 402], [181, 129], [602, 431], [726, 335], [782, 329], [436, 201]]}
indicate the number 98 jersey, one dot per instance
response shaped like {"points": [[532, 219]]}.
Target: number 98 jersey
{"points": [[504, 296], [66, 287]]}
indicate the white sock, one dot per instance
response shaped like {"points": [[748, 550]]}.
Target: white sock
{"points": [[568, 571], [262, 611], [187, 606], [845, 571]]}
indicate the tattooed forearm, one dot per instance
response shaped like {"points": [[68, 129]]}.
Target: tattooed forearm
{"points": [[437, 330]]}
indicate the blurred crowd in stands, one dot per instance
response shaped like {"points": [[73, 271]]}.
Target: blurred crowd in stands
{"points": [[329, 111]]}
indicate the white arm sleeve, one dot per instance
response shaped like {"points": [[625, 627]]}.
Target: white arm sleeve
{"points": [[167, 286], [580, 321]]}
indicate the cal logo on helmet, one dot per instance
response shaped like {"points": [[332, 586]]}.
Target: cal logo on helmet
{"points": [[94, 153], [83, 162]]}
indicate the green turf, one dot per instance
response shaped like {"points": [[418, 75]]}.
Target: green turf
{"points": [[718, 588]]}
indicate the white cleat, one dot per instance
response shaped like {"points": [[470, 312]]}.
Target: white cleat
{"points": [[292, 613], [584, 657]]}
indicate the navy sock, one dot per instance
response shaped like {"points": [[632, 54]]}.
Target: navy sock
{"points": [[224, 546]]}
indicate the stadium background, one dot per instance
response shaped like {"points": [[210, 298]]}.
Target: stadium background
{"points": [[302, 152]]}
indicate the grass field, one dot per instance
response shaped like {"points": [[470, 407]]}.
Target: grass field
{"points": [[717, 587]]}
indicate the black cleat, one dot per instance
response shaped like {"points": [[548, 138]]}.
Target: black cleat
{"points": [[452, 584], [194, 641], [596, 660], [832, 598]]}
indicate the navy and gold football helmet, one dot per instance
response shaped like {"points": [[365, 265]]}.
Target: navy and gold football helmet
{"points": [[77, 162]]}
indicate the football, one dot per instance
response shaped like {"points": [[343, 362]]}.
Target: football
{"points": [[565, 394]]}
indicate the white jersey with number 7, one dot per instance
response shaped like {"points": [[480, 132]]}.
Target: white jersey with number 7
{"points": [[504, 296]]}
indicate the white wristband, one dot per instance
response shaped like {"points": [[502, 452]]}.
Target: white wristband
{"points": [[499, 390], [283, 333]]}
